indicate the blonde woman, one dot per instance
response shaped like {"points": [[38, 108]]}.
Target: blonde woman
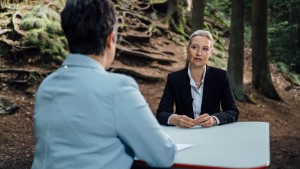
{"points": [[201, 93]]}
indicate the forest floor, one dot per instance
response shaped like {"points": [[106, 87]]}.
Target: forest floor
{"points": [[16, 130]]}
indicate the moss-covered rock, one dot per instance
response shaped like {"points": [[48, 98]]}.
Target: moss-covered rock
{"points": [[43, 30]]}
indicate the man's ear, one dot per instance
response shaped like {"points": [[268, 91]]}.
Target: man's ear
{"points": [[110, 39]]}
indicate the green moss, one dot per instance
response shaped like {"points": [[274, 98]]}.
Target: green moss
{"points": [[58, 58], [282, 67], [217, 62], [60, 4], [220, 54], [63, 41], [291, 76], [157, 1], [54, 28], [33, 23], [32, 38], [43, 12], [43, 28], [295, 78]]}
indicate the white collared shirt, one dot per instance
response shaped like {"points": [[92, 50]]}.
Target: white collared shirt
{"points": [[197, 94]]}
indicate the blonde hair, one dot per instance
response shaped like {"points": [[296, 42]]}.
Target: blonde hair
{"points": [[202, 33]]}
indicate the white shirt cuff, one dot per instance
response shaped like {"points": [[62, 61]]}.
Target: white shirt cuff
{"points": [[218, 122], [169, 119]]}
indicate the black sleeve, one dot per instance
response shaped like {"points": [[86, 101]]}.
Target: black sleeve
{"points": [[230, 112], [165, 108]]}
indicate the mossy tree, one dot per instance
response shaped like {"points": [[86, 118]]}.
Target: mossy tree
{"points": [[175, 18]]}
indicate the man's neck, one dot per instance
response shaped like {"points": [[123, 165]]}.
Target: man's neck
{"points": [[99, 58]]}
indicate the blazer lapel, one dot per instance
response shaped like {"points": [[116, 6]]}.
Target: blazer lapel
{"points": [[186, 93], [207, 82]]}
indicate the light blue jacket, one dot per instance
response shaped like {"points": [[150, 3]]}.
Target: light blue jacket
{"points": [[88, 118]]}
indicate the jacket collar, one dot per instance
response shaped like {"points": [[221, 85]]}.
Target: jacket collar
{"points": [[186, 93], [80, 60]]}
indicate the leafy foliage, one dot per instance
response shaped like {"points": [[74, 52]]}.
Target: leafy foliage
{"points": [[220, 12], [284, 68], [218, 23], [284, 33]]}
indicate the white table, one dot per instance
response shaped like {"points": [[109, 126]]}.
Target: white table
{"points": [[235, 145]]}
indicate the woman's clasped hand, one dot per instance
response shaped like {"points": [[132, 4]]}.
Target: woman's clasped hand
{"points": [[183, 121]]}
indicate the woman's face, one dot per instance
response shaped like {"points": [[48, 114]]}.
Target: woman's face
{"points": [[199, 51]]}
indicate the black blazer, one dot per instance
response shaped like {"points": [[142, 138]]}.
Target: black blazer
{"points": [[216, 93]]}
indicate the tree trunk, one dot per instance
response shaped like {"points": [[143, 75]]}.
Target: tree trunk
{"points": [[198, 14], [236, 51], [172, 7], [297, 7], [261, 77], [175, 16]]}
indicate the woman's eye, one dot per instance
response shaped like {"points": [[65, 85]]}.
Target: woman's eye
{"points": [[194, 47], [205, 49]]}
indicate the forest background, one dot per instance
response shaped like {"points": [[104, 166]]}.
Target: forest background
{"points": [[257, 42]]}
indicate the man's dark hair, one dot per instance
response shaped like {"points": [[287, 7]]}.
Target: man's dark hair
{"points": [[87, 24]]}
